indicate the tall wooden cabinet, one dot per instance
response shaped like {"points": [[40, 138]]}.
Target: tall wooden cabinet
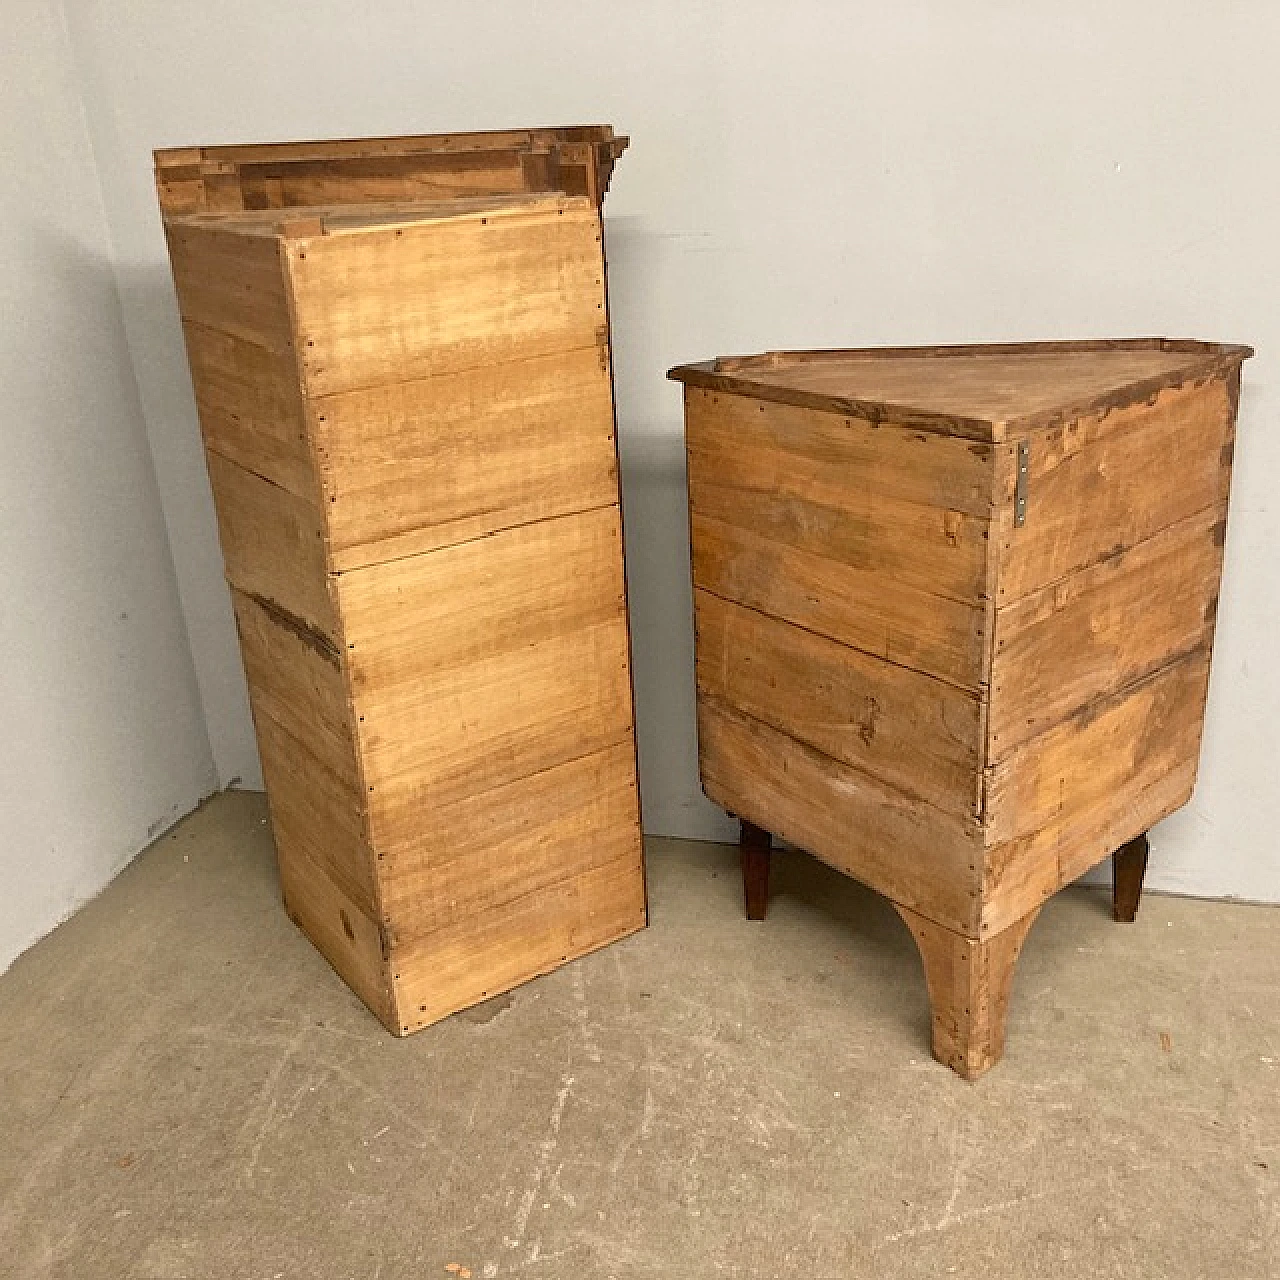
{"points": [[400, 353]]}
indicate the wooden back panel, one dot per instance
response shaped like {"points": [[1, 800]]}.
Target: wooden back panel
{"points": [[874, 536], [840, 573]]}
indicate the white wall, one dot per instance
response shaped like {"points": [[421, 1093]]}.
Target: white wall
{"points": [[103, 743], [806, 175]]}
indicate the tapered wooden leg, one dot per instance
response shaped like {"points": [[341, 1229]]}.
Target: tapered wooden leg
{"points": [[1128, 866], [755, 843], [969, 981]]}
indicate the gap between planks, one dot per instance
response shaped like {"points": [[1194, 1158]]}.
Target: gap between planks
{"points": [[462, 542]]}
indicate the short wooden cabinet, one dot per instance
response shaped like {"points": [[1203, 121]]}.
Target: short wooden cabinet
{"points": [[400, 353], [954, 613]]}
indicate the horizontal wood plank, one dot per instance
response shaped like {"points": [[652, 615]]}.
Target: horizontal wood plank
{"points": [[911, 852], [495, 950], [478, 664], [417, 465], [927, 548], [452, 294], [273, 545], [1095, 758], [483, 851], [919, 735], [361, 179], [251, 408], [1111, 480], [859, 607], [836, 460], [1104, 627], [341, 930], [230, 282], [315, 809], [295, 679]]}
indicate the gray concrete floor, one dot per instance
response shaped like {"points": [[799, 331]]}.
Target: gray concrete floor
{"points": [[188, 1091]]}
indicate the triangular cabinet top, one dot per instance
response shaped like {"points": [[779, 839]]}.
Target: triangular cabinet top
{"points": [[575, 160], [980, 392]]}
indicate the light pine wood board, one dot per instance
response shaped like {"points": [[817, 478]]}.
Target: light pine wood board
{"points": [[498, 949], [872, 536], [577, 160], [399, 145], [231, 283], [411, 466], [1102, 628], [802, 504], [367, 179], [316, 810], [985, 393], [251, 407], [486, 850], [989, 385], [351, 942], [380, 306], [1068, 798], [861, 608], [914, 733], [837, 459], [911, 852], [296, 678], [273, 545], [478, 664], [326, 866], [1110, 480]]}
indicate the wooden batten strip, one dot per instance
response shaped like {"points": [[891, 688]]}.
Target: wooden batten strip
{"points": [[876, 413]]}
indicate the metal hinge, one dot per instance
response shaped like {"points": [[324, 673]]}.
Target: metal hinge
{"points": [[1020, 485]]}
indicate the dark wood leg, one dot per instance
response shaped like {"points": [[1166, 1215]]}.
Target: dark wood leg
{"points": [[755, 843], [1128, 866]]}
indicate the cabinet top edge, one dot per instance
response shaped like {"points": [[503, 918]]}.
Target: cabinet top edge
{"points": [[317, 149], [988, 392], [570, 160]]}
